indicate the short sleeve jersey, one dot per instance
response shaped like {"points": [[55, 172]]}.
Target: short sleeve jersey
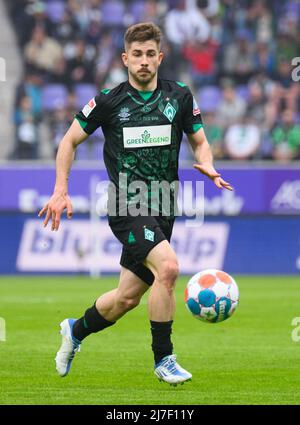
{"points": [[142, 138]]}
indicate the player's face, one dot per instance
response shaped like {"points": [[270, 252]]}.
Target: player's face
{"points": [[142, 60]]}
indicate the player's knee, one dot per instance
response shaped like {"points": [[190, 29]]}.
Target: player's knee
{"points": [[168, 273], [127, 303]]}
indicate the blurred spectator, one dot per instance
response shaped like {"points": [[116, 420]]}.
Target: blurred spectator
{"points": [[292, 97], [283, 74], [67, 29], [26, 130], [264, 58], [150, 12], [72, 106], [202, 59], [259, 17], [265, 82], [60, 119], [256, 105], [81, 13], [231, 108], [286, 48], [94, 31], [281, 98], [104, 57], [216, 30], [59, 74], [42, 53], [26, 15], [239, 59], [39, 17], [214, 134], [182, 25], [31, 87], [286, 138], [209, 8], [169, 65], [76, 44], [288, 21], [242, 140], [80, 68], [59, 124], [116, 75]]}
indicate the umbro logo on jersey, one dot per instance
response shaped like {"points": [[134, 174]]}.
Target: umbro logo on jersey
{"points": [[124, 114], [169, 111]]}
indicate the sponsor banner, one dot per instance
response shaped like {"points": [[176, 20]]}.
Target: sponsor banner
{"points": [[76, 247], [257, 191], [200, 247], [260, 245], [283, 193]]}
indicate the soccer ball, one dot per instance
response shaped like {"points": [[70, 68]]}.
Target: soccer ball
{"points": [[211, 295]]}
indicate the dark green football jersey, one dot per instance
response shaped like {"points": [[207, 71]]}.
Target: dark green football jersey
{"points": [[143, 137]]}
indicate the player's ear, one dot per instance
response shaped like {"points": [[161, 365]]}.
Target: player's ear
{"points": [[125, 58], [160, 57]]}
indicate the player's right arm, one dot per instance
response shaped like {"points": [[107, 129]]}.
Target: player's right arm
{"points": [[60, 199]]}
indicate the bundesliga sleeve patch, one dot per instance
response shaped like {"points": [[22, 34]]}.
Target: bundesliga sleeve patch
{"points": [[89, 107], [196, 110]]}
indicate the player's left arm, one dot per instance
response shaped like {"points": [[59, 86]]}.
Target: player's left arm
{"points": [[204, 158]]}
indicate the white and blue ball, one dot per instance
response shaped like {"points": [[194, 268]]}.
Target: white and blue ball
{"points": [[211, 295]]}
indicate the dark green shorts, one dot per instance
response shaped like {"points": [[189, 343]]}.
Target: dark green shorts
{"points": [[139, 235]]}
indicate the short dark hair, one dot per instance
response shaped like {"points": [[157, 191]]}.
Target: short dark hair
{"points": [[142, 32]]}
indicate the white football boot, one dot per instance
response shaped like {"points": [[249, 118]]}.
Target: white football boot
{"points": [[168, 370], [68, 348]]}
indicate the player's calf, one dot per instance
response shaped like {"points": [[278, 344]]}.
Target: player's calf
{"points": [[124, 304]]}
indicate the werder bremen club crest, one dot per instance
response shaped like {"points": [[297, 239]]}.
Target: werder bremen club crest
{"points": [[168, 107]]}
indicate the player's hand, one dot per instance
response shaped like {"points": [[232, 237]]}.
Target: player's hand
{"points": [[54, 208], [209, 171]]}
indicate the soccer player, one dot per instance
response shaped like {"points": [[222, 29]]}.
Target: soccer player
{"points": [[142, 120]]}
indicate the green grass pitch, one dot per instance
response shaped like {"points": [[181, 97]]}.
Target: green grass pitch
{"points": [[248, 359]]}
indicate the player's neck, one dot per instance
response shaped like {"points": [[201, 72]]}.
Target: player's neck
{"points": [[149, 87]]}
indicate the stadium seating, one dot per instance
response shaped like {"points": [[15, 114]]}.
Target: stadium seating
{"points": [[84, 93], [54, 96], [270, 31], [243, 92], [209, 97], [112, 13], [55, 10]]}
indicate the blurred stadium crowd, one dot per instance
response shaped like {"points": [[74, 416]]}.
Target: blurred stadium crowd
{"points": [[236, 56]]}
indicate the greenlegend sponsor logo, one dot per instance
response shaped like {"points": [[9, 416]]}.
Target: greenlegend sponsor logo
{"points": [[147, 139]]}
